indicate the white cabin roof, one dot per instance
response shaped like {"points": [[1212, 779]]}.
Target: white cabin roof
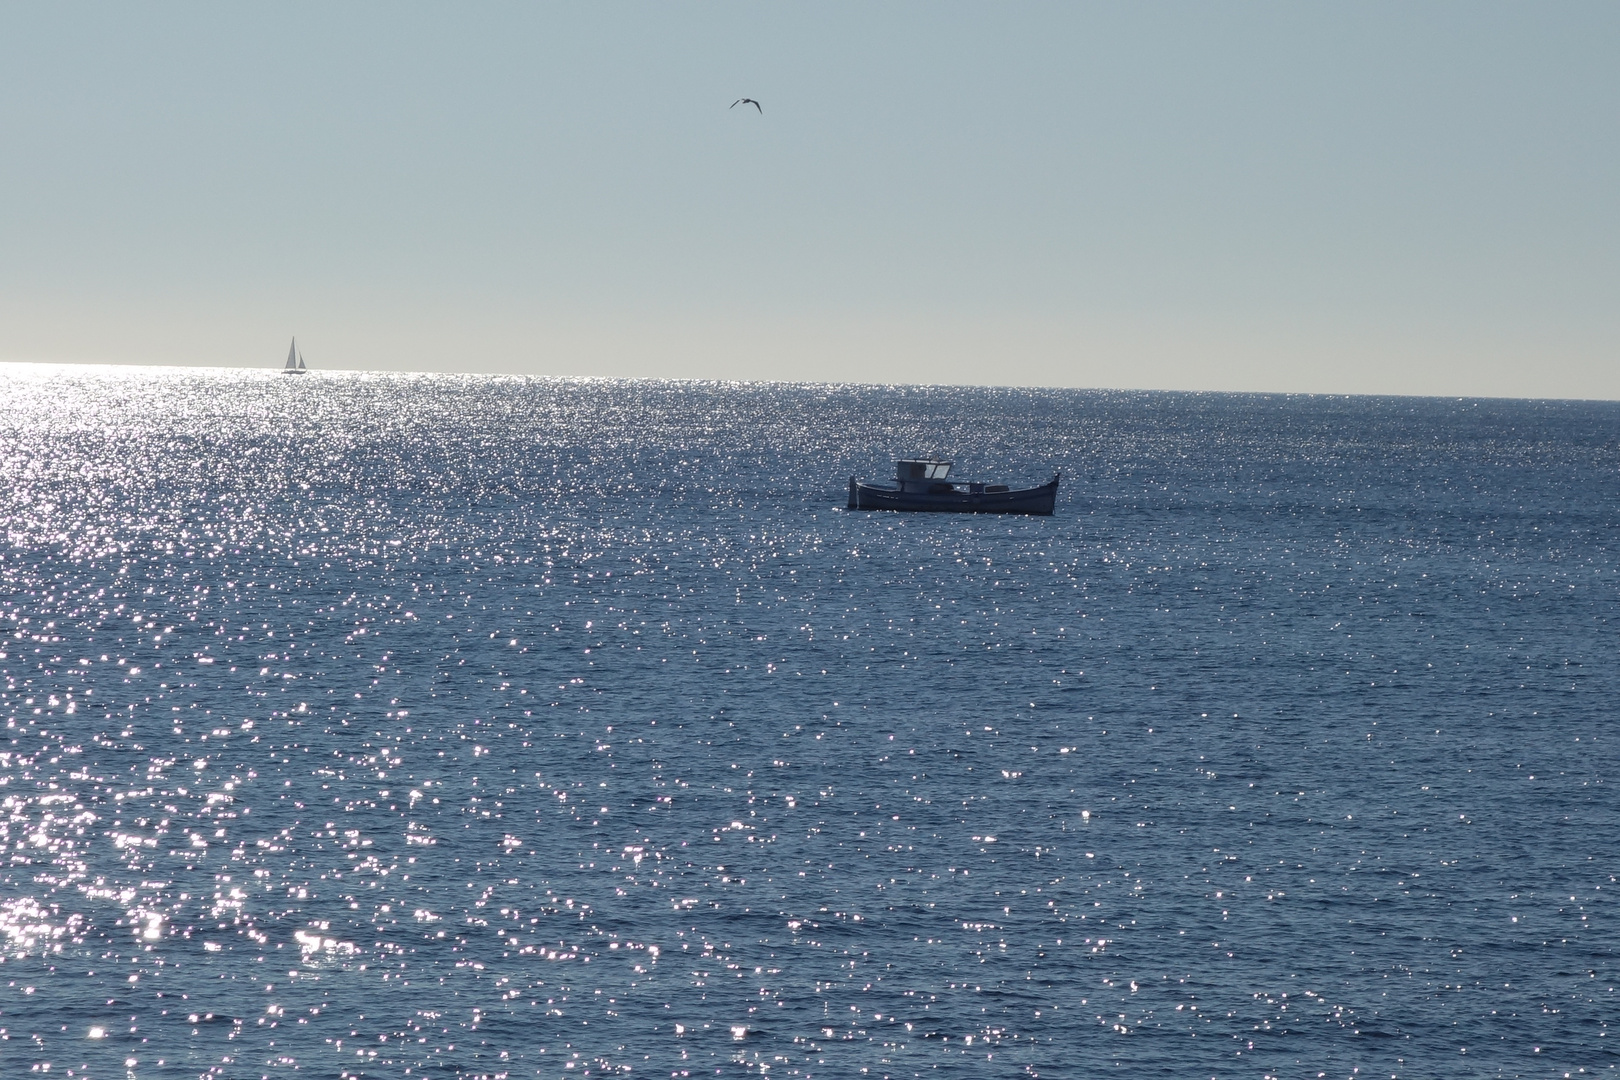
{"points": [[921, 469]]}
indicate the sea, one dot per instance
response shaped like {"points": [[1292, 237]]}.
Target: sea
{"points": [[411, 725]]}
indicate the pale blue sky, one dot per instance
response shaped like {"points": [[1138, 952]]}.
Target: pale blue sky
{"points": [[1404, 198]]}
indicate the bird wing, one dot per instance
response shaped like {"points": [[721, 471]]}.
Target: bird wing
{"points": [[755, 104], [736, 103]]}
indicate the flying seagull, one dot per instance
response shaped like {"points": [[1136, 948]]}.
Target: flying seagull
{"points": [[747, 101]]}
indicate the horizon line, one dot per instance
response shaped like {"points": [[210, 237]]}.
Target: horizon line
{"points": [[141, 365]]}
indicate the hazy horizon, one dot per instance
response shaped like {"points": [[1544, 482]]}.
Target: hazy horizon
{"points": [[1368, 199], [854, 384]]}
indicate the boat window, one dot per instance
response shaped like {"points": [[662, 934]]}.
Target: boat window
{"points": [[938, 470]]}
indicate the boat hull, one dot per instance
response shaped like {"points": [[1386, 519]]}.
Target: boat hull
{"points": [[1036, 500]]}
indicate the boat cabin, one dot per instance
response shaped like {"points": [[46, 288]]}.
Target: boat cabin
{"points": [[927, 469], [925, 475], [932, 477]]}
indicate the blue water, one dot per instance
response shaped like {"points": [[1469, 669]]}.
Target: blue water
{"points": [[365, 725]]}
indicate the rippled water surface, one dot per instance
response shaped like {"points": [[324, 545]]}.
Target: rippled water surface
{"points": [[434, 726]]}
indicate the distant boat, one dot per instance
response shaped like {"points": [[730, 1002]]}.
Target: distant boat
{"points": [[925, 485], [295, 360]]}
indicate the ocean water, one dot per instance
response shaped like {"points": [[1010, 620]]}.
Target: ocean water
{"points": [[387, 726]]}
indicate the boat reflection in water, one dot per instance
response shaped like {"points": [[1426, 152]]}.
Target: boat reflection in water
{"points": [[926, 485]]}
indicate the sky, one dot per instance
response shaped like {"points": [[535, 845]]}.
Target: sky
{"points": [[1399, 198]]}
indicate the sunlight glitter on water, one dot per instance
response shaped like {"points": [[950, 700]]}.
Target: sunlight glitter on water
{"points": [[408, 723]]}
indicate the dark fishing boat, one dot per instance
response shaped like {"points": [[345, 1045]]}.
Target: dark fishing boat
{"points": [[925, 485]]}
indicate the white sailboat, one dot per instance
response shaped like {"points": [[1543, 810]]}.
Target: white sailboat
{"points": [[295, 360]]}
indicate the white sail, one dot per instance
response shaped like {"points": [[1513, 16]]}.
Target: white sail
{"points": [[292, 356]]}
